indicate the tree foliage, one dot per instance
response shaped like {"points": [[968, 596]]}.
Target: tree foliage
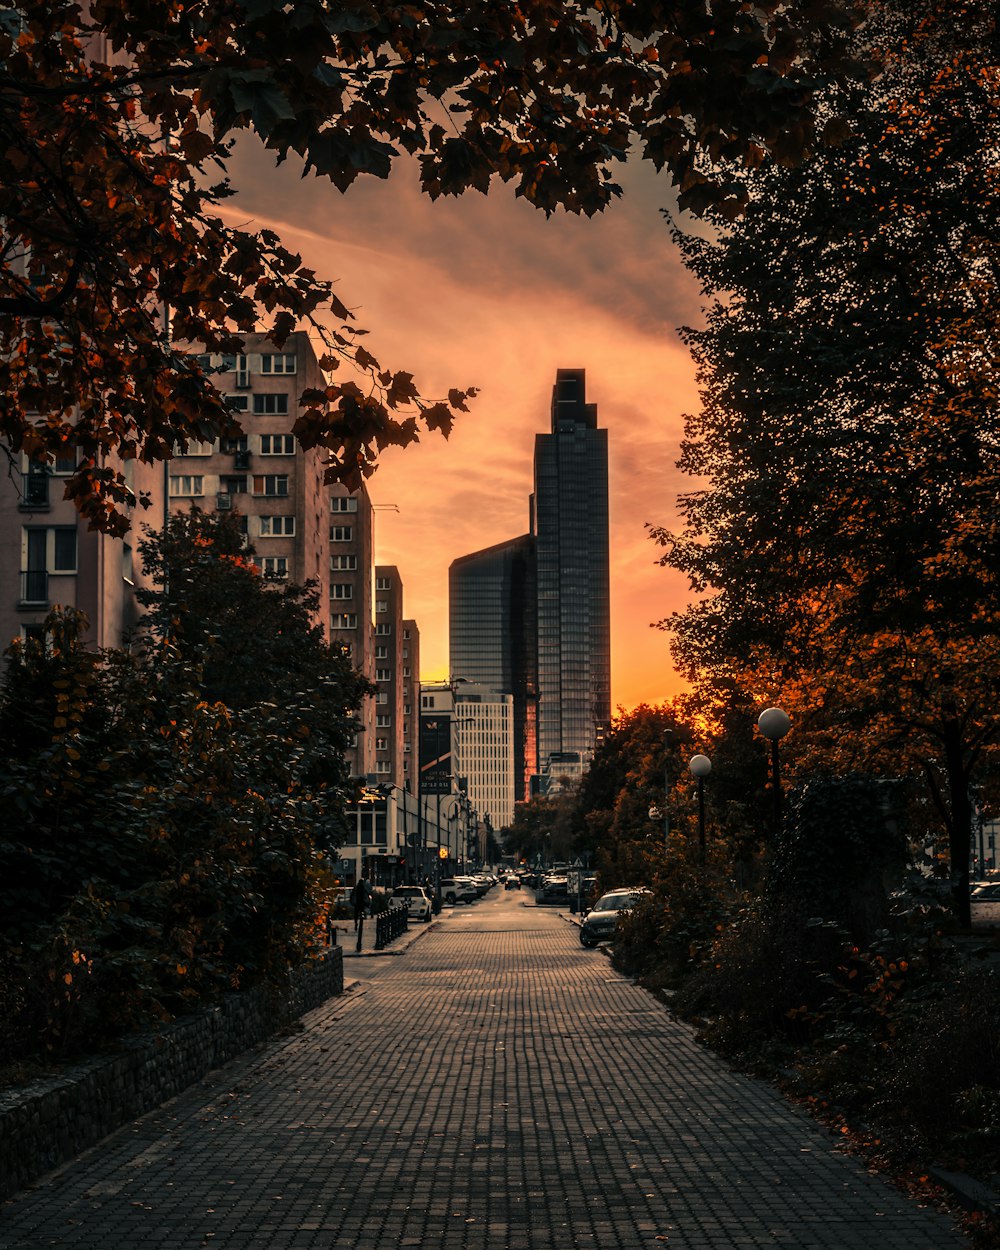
{"points": [[161, 846], [845, 538], [117, 122]]}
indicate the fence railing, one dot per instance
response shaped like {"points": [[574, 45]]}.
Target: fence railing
{"points": [[390, 924]]}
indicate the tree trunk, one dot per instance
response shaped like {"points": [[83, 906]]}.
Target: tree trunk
{"points": [[960, 826]]}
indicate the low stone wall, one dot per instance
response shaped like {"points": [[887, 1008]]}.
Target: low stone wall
{"points": [[51, 1120]]}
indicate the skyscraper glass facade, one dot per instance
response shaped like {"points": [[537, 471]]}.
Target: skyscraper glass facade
{"points": [[531, 617], [492, 636], [572, 561]]}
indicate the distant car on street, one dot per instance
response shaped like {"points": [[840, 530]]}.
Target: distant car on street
{"points": [[513, 882], [553, 889], [416, 900], [600, 922], [985, 902]]}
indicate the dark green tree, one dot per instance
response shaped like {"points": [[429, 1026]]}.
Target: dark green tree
{"points": [[845, 544]]}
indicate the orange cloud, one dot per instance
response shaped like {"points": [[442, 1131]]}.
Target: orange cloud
{"points": [[486, 292]]}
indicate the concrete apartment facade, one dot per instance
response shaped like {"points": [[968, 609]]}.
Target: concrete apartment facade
{"points": [[49, 558]]}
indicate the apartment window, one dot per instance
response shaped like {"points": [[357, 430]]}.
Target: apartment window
{"points": [[383, 766], [277, 527], [194, 447], [341, 590], [275, 567], [270, 484], [279, 362], [230, 446], [343, 503], [270, 405], [382, 630], [381, 653], [383, 583], [344, 620], [383, 674], [232, 485], [45, 551], [406, 634], [65, 462], [277, 444], [186, 486], [382, 721], [381, 744], [343, 563], [406, 650], [237, 403], [382, 696], [381, 605], [341, 533], [406, 670]]}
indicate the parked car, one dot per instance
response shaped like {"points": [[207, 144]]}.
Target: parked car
{"points": [[458, 890], [553, 890], [416, 899], [599, 923], [985, 901]]}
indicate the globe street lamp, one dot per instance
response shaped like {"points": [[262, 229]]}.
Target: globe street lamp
{"points": [[774, 723], [700, 766]]}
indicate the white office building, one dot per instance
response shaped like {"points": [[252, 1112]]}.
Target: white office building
{"points": [[484, 750]]}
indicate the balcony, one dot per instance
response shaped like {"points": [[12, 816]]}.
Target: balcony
{"points": [[34, 492], [224, 502], [35, 588]]}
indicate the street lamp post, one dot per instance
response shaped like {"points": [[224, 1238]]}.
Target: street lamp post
{"points": [[774, 723], [668, 741], [701, 766]]}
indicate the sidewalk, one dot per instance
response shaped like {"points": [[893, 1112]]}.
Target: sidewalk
{"points": [[347, 937], [497, 1088]]}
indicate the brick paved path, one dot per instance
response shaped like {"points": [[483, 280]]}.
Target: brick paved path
{"points": [[494, 1086]]}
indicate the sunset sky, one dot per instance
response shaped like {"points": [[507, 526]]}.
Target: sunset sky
{"points": [[484, 291]]}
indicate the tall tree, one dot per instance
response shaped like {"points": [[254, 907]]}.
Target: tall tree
{"points": [[849, 434], [117, 120]]}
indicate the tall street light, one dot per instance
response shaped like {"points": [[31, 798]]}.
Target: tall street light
{"points": [[774, 723], [700, 766], [668, 742]]}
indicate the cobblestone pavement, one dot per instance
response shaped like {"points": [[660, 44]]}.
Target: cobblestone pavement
{"points": [[495, 1086]]}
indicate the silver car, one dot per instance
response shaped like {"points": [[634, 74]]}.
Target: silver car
{"points": [[985, 902]]}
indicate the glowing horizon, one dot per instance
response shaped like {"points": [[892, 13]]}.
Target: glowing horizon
{"points": [[483, 291]]}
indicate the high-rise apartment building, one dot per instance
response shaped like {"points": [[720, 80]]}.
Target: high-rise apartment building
{"points": [[411, 706], [352, 584], [570, 524], [531, 617], [390, 699], [263, 473]]}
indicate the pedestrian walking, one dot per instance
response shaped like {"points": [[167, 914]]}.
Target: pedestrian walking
{"points": [[361, 898]]}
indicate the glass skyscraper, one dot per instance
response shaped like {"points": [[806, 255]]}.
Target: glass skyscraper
{"points": [[491, 600], [570, 523], [531, 617]]}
